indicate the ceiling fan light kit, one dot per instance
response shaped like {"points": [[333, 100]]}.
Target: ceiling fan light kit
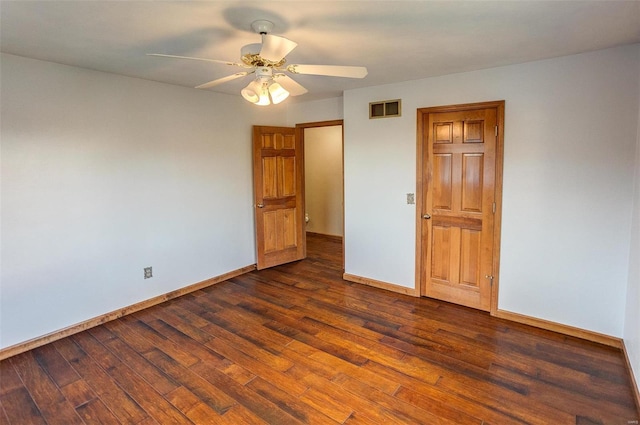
{"points": [[264, 90], [267, 61]]}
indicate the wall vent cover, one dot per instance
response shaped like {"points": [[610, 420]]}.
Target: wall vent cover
{"points": [[385, 109]]}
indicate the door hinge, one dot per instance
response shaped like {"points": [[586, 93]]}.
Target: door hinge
{"points": [[493, 208], [496, 131]]}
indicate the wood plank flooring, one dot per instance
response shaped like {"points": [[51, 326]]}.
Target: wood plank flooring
{"points": [[297, 345]]}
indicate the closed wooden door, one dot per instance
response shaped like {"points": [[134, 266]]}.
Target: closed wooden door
{"points": [[278, 188], [458, 211]]}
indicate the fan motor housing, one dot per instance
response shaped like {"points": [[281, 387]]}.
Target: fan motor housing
{"points": [[264, 72], [252, 57]]}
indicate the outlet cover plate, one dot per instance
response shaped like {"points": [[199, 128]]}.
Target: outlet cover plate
{"points": [[148, 272]]}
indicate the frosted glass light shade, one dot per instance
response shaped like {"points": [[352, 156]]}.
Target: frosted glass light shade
{"points": [[264, 98], [278, 93], [252, 92]]}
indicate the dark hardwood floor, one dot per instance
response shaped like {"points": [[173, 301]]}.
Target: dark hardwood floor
{"points": [[297, 345]]}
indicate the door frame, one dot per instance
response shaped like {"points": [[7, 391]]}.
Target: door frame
{"points": [[300, 134], [422, 114]]}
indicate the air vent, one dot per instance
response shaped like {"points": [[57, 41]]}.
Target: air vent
{"points": [[385, 109]]}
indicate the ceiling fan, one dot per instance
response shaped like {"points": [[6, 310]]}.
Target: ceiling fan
{"points": [[267, 62]]}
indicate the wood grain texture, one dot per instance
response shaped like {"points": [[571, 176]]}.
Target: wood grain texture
{"points": [[88, 324], [278, 181], [634, 383], [296, 344], [379, 284], [459, 184], [560, 328]]}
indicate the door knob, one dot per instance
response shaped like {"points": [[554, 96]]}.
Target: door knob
{"points": [[426, 216], [260, 205]]}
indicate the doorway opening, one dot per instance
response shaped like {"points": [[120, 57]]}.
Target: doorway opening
{"points": [[324, 181]]}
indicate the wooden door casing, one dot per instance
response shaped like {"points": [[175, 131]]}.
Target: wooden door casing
{"points": [[279, 193], [301, 132], [459, 178]]}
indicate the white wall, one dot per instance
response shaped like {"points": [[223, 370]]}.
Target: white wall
{"points": [[570, 139], [314, 111], [323, 179], [632, 316], [104, 175]]}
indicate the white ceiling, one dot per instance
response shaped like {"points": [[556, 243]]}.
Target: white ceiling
{"points": [[395, 40]]}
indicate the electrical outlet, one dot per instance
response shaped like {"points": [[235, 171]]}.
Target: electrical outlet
{"points": [[148, 272], [411, 199]]}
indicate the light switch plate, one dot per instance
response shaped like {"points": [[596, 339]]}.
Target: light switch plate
{"points": [[411, 198]]}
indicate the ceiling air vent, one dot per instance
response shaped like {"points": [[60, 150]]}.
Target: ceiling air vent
{"points": [[385, 109]]}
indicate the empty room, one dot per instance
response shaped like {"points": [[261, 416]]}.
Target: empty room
{"points": [[295, 212]]}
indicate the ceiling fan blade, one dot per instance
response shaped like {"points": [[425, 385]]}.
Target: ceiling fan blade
{"points": [[275, 48], [222, 80], [329, 70], [290, 85], [198, 59]]}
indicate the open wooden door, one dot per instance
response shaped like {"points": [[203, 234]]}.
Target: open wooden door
{"points": [[278, 176]]}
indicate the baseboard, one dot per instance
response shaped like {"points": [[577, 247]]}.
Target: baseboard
{"points": [[382, 285], [335, 238], [560, 328], [79, 327], [634, 383]]}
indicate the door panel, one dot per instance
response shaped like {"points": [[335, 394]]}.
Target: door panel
{"points": [[473, 131], [458, 195], [287, 176], [443, 181], [443, 132], [440, 260], [278, 175], [279, 230], [470, 257], [269, 178], [472, 165]]}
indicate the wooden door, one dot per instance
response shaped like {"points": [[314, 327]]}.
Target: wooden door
{"points": [[279, 195], [459, 202]]}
